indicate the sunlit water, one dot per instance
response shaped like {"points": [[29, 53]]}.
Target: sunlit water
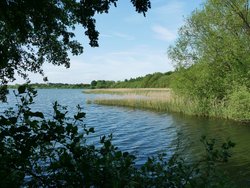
{"points": [[146, 133]]}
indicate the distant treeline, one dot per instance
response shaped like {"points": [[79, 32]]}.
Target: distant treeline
{"points": [[155, 80], [55, 85]]}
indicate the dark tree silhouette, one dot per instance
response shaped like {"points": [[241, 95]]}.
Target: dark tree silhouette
{"points": [[34, 32]]}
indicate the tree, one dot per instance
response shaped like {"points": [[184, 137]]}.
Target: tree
{"points": [[220, 29], [217, 37], [212, 59], [93, 83], [34, 32]]}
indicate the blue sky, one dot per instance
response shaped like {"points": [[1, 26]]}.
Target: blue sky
{"points": [[130, 45]]}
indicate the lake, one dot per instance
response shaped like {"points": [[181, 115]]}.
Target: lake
{"points": [[146, 133]]}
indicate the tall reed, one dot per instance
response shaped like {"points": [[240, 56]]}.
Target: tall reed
{"points": [[164, 100]]}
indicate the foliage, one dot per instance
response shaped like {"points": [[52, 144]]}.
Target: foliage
{"points": [[40, 151], [212, 57], [155, 80], [101, 84], [42, 31], [238, 106]]}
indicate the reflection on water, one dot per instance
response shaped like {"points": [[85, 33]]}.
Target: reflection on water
{"points": [[146, 133]]}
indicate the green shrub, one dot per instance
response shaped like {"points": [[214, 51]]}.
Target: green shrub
{"points": [[238, 105]]}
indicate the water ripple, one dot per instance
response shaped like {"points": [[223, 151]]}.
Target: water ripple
{"points": [[146, 133]]}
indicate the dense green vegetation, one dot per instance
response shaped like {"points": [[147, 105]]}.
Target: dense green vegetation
{"points": [[155, 80], [101, 84], [212, 59]]}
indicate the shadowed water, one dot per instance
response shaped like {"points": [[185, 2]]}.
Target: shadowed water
{"points": [[146, 133]]}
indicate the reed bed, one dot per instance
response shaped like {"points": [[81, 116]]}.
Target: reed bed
{"points": [[156, 99], [160, 100], [164, 100], [174, 104], [126, 91]]}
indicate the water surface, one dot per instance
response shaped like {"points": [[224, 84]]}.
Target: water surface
{"points": [[146, 133]]}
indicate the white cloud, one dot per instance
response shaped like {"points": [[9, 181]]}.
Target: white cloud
{"points": [[118, 35], [163, 33], [124, 36], [105, 35], [135, 19], [134, 62], [114, 65], [172, 8]]}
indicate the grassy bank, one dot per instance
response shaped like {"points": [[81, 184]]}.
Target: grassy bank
{"points": [[164, 100]]}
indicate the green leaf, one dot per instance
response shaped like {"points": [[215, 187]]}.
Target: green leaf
{"points": [[80, 115], [37, 114], [92, 130], [21, 89]]}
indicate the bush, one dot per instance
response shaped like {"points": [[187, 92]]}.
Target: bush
{"points": [[238, 105]]}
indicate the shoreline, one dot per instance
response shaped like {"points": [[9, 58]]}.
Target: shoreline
{"points": [[163, 100]]}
